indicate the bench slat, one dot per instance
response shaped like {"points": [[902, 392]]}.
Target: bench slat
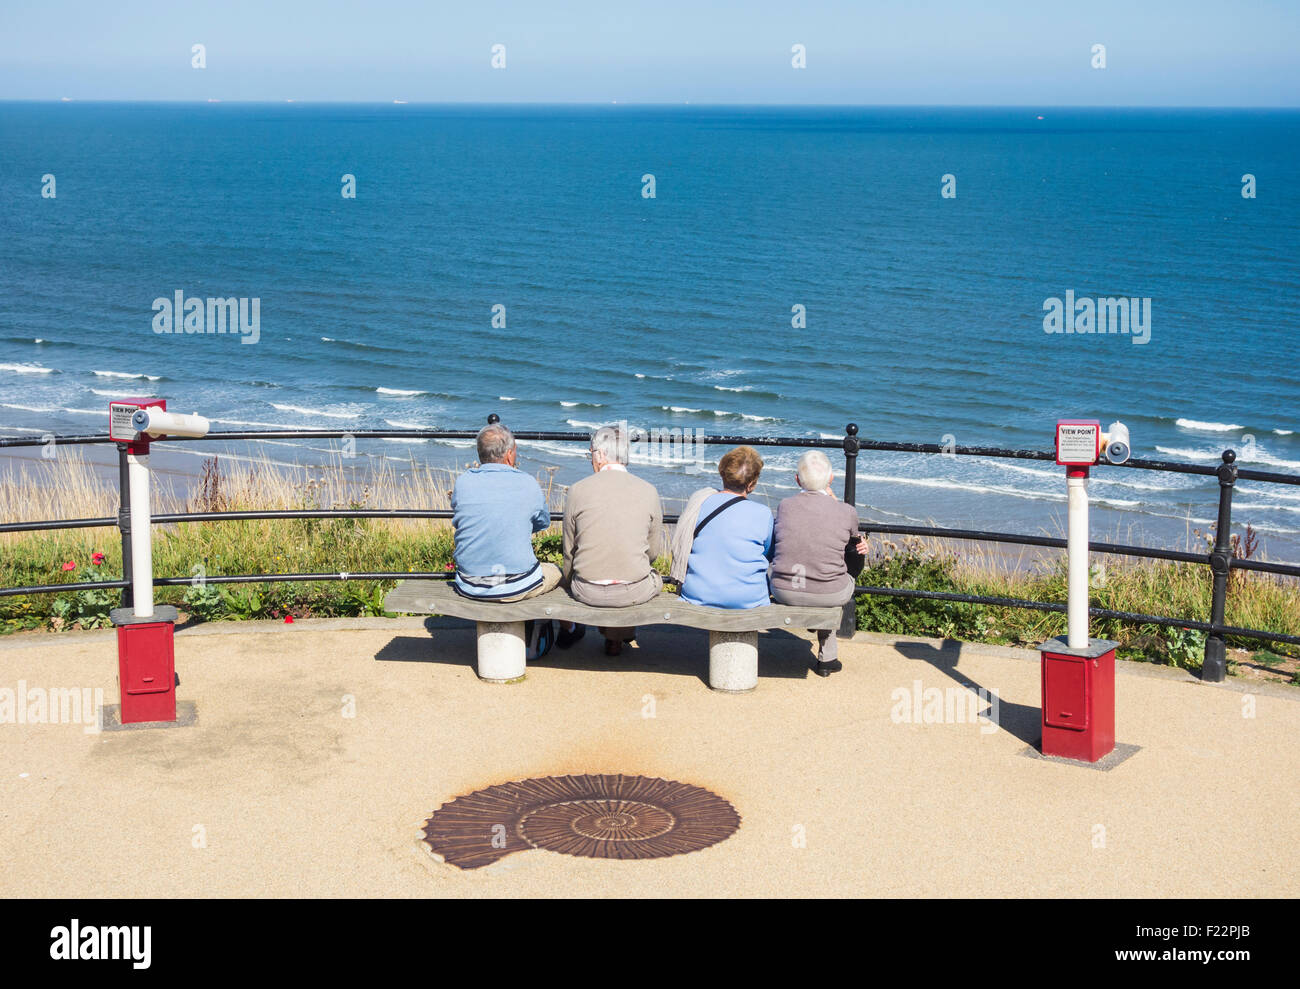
{"points": [[436, 597]]}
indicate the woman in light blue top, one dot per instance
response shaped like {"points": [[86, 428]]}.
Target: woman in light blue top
{"points": [[732, 546]]}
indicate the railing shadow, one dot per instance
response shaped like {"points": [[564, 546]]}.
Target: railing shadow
{"points": [[1019, 720]]}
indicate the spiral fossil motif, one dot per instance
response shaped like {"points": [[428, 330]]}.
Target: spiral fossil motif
{"points": [[622, 817]]}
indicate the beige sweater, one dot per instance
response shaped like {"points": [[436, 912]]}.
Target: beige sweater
{"points": [[613, 527]]}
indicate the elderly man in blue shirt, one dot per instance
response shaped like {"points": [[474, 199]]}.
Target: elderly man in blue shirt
{"points": [[496, 508]]}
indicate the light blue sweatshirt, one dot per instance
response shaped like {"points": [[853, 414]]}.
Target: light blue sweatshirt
{"points": [[496, 509], [729, 559]]}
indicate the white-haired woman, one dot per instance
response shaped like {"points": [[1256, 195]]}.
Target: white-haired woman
{"points": [[815, 539]]}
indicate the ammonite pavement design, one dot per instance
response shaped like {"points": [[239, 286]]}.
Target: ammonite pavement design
{"points": [[617, 817]]}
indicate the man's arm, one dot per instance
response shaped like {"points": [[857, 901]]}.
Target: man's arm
{"points": [[542, 515], [569, 529], [658, 544]]}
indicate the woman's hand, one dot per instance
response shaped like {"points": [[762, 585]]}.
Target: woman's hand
{"points": [[862, 546]]}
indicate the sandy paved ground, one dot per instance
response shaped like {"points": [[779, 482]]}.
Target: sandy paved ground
{"points": [[290, 797]]}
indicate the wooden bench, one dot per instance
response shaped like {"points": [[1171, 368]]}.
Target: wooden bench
{"points": [[733, 633]]}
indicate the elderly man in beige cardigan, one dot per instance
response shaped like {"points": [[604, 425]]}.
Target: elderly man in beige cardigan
{"points": [[613, 531]]}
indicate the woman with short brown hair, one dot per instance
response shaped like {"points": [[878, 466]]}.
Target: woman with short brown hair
{"points": [[732, 544]]}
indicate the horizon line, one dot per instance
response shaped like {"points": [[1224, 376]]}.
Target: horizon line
{"points": [[198, 101]]}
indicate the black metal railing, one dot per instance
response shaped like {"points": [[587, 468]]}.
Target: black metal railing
{"points": [[1220, 559]]}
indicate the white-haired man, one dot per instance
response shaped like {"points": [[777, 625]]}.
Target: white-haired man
{"points": [[496, 508], [813, 533], [613, 531]]}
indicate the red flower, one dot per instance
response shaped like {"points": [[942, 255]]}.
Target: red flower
{"points": [[288, 619], [70, 565], [97, 558], [450, 566]]}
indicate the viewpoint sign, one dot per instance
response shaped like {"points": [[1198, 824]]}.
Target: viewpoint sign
{"points": [[1078, 442]]}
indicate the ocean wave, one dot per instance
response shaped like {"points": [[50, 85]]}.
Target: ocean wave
{"points": [[1055, 476], [398, 424], [1284, 432], [718, 413], [1186, 453], [572, 450], [27, 369], [580, 424], [753, 390], [506, 398], [1207, 427], [119, 393], [253, 422], [1246, 506], [1045, 474], [354, 345], [1268, 460], [1268, 493], [315, 412], [400, 392], [950, 485], [121, 374], [26, 408], [583, 405]]}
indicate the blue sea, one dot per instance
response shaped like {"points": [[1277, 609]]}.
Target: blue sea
{"points": [[922, 314]]}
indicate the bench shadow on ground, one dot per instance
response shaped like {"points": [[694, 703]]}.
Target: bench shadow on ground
{"points": [[669, 649], [1018, 720]]}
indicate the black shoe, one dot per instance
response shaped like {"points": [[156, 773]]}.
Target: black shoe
{"points": [[613, 647], [567, 637], [826, 669]]}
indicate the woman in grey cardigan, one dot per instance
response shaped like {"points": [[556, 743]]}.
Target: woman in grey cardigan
{"points": [[809, 566]]}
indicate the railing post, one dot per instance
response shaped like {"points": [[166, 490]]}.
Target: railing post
{"points": [[124, 524], [851, 446], [493, 418], [1215, 667]]}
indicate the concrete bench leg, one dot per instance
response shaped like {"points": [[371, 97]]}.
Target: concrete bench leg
{"points": [[501, 651], [733, 661]]}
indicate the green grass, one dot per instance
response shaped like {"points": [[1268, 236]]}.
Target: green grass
{"points": [[196, 550]]}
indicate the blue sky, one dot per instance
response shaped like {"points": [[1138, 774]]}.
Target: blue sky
{"points": [[1035, 52]]}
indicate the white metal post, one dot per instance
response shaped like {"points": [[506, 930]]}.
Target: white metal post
{"points": [[141, 535], [1077, 553]]}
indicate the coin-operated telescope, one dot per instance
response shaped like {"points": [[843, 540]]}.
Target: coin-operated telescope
{"points": [[1078, 672], [145, 654]]}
